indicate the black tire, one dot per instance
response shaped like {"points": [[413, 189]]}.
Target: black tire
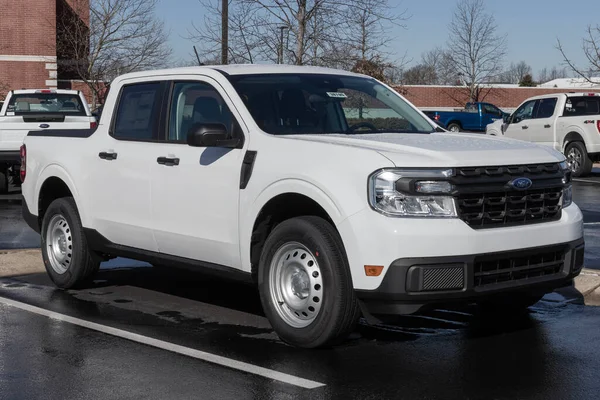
{"points": [[84, 263], [454, 127], [510, 303], [578, 158], [339, 311]]}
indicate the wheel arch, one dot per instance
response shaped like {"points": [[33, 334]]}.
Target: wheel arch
{"points": [[571, 137], [279, 202], [53, 183]]}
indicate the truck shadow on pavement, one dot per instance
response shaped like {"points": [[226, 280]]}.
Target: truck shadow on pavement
{"points": [[171, 295]]}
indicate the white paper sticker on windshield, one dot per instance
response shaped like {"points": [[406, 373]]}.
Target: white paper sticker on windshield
{"points": [[10, 113], [337, 95]]}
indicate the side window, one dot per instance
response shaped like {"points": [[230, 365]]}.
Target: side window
{"points": [[490, 109], [578, 106], [524, 112], [135, 112], [545, 108], [193, 103]]}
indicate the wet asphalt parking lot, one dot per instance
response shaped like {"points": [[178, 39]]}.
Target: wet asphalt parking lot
{"points": [[146, 333]]}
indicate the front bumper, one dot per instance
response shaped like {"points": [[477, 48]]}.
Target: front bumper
{"points": [[412, 284]]}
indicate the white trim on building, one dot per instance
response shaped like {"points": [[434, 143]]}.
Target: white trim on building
{"points": [[46, 59]]}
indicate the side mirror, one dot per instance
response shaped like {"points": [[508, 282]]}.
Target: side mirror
{"points": [[210, 135]]}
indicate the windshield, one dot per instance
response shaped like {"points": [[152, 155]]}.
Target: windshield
{"points": [[288, 104], [45, 103]]}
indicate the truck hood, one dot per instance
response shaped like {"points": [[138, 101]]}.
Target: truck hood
{"points": [[444, 149]]}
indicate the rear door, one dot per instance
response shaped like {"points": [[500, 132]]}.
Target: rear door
{"points": [[518, 126], [542, 125], [44, 109], [118, 189]]}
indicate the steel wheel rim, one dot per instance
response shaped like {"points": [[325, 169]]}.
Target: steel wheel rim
{"points": [[574, 159], [454, 128], [296, 285], [59, 244]]}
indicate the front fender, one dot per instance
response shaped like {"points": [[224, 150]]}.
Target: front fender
{"points": [[297, 186]]}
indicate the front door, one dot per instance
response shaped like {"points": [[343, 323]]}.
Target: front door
{"points": [[518, 126], [541, 127], [195, 190]]}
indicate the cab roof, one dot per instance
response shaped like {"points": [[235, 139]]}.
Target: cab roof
{"points": [[242, 69]]}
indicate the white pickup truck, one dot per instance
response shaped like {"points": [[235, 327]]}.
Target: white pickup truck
{"points": [[568, 122], [30, 109], [326, 189]]}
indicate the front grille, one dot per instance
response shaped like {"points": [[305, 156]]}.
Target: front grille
{"points": [[486, 200], [490, 270]]}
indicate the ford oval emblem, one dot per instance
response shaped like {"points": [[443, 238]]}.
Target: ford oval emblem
{"points": [[521, 183], [44, 126]]}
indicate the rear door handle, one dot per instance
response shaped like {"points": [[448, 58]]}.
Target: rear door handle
{"points": [[107, 156], [524, 127], [547, 126], [168, 161]]}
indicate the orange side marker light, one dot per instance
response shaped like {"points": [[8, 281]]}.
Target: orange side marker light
{"points": [[373, 270]]}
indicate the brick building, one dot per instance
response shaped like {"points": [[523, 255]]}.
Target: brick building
{"points": [[506, 97], [29, 42]]}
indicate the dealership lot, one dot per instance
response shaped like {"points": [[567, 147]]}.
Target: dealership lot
{"points": [[140, 332]]}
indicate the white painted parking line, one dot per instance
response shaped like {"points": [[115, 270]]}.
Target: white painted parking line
{"points": [[585, 180], [186, 351]]}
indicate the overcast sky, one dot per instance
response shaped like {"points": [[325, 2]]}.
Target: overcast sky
{"points": [[532, 27]]}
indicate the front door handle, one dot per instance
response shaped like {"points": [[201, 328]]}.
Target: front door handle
{"points": [[168, 161], [107, 155], [524, 127], [547, 126]]}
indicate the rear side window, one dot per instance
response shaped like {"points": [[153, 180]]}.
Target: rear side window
{"points": [[577, 106], [545, 107], [136, 110], [45, 103]]}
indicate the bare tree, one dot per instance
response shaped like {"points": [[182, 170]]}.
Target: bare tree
{"points": [[121, 36], [420, 74], [558, 73], [555, 72], [244, 44], [441, 61], [591, 50], [476, 49], [334, 33], [515, 72]]}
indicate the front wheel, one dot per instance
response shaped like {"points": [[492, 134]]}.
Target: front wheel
{"points": [[579, 162], [68, 259], [305, 284]]}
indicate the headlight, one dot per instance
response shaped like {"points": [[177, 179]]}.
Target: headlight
{"points": [[433, 199], [567, 196]]}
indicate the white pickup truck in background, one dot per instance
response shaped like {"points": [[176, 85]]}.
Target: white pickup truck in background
{"points": [[326, 189], [568, 122], [30, 109]]}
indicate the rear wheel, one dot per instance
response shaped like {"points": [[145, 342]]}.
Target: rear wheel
{"points": [[578, 159], [454, 127], [68, 259], [305, 284]]}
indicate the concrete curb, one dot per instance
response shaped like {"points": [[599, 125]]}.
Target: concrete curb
{"points": [[29, 261]]}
